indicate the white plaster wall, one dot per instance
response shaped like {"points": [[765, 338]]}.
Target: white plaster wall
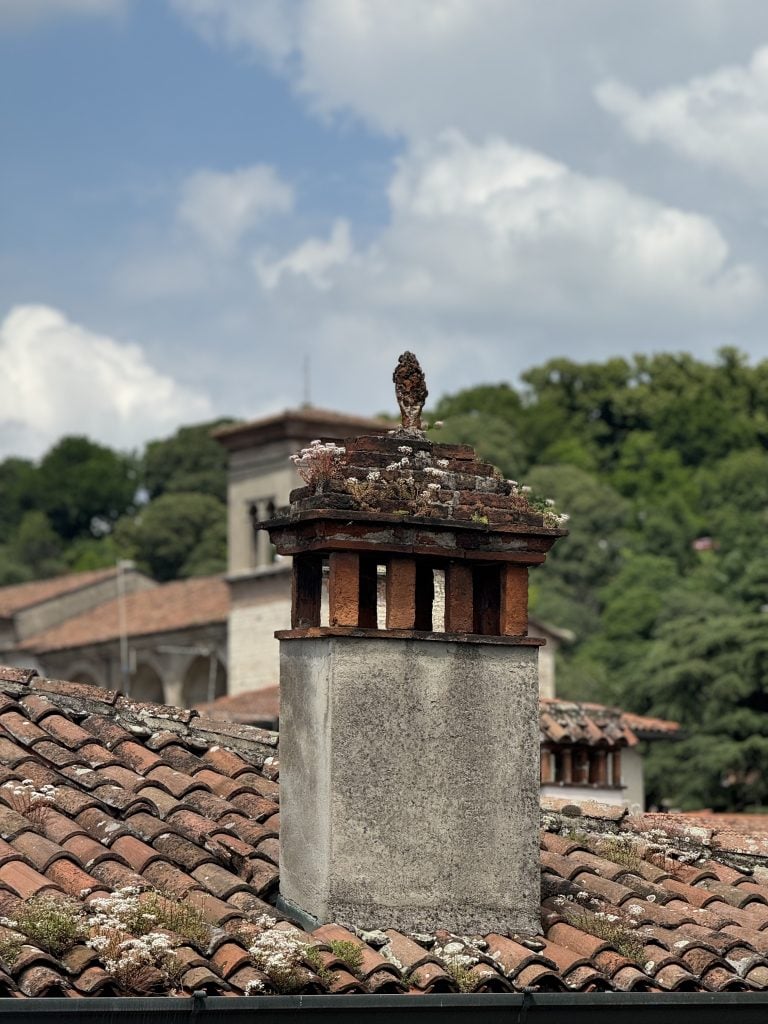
{"points": [[633, 779], [547, 669], [266, 474], [576, 793], [254, 654]]}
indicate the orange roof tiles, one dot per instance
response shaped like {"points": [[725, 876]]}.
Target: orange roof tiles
{"points": [[583, 722], [178, 605], [646, 727], [25, 595], [162, 799], [244, 707]]}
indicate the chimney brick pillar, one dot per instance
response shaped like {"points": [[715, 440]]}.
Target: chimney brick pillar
{"points": [[401, 593], [458, 598], [344, 588]]}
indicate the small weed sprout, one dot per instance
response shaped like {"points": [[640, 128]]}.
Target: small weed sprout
{"points": [[576, 835], [10, 947], [349, 952], [620, 850], [183, 918], [50, 923], [459, 957], [314, 959], [617, 928]]}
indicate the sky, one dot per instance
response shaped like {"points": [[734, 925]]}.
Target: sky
{"points": [[198, 196]]}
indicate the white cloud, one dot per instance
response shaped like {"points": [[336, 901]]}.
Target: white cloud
{"points": [[414, 67], [266, 26], [22, 13], [495, 232], [313, 259], [720, 119], [223, 207], [57, 378]]}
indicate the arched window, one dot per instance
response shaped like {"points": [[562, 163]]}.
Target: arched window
{"points": [[199, 681], [146, 685]]}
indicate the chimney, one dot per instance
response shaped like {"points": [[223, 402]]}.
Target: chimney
{"points": [[409, 754]]}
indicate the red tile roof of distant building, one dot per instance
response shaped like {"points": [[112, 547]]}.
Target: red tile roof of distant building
{"points": [[178, 605]]}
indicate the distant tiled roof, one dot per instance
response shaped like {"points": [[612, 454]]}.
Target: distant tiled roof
{"points": [[297, 423], [646, 727], [178, 605], [572, 722], [162, 799], [25, 595], [244, 707]]}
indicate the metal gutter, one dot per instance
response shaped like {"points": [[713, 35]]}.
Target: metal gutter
{"points": [[511, 1008]]}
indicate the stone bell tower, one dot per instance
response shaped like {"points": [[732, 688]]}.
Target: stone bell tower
{"points": [[410, 753]]}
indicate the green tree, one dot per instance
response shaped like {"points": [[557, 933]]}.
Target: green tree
{"points": [[707, 667], [176, 535], [568, 593], [190, 461], [85, 487], [18, 493], [37, 547]]}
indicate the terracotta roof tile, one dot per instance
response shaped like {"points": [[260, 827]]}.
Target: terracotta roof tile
{"points": [[21, 729], [138, 805], [22, 879]]}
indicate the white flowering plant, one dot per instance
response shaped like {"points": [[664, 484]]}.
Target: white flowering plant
{"points": [[52, 923], [459, 956], [279, 954], [124, 930], [319, 463]]}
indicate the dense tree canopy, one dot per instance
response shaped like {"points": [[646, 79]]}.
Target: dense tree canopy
{"points": [[84, 487], [176, 535], [190, 461], [84, 506], [661, 462]]}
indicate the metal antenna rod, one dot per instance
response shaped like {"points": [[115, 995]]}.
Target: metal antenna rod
{"points": [[307, 380]]}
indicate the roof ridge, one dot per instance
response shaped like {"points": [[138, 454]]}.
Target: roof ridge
{"points": [[57, 585], [685, 835], [142, 718]]}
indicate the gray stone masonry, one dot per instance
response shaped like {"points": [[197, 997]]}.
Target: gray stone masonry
{"points": [[409, 781]]}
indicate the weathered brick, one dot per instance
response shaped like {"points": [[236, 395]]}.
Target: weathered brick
{"points": [[343, 588], [401, 593], [306, 589], [458, 598], [513, 609]]}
